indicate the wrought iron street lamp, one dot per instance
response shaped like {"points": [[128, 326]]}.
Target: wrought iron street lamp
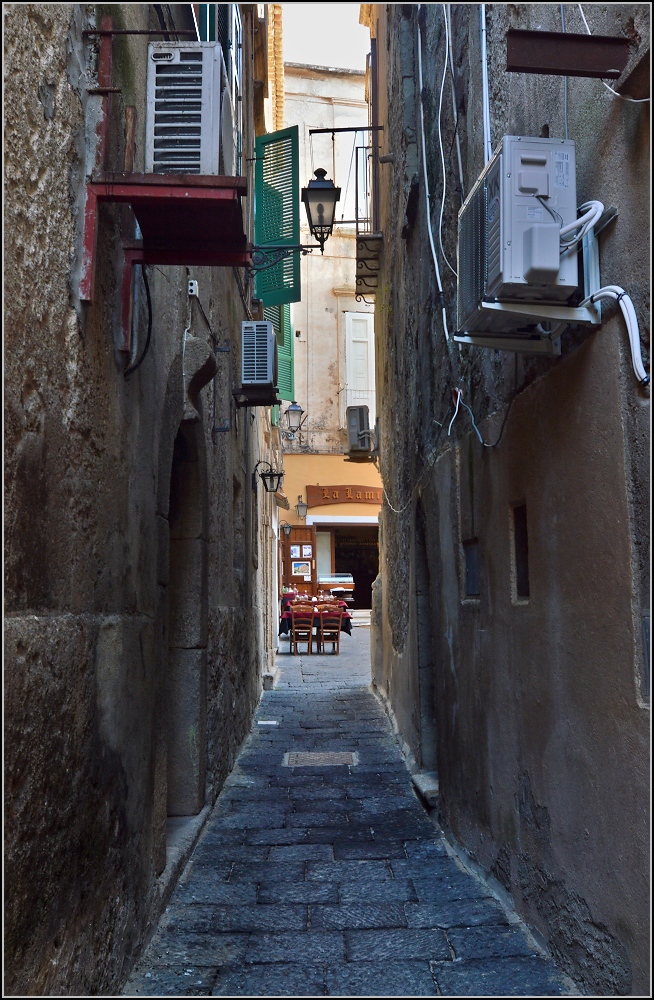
{"points": [[272, 479], [301, 508], [286, 527], [293, 419], [320, 197]]}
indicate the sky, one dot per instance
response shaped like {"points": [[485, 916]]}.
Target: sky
{"points": [[325, 34]]}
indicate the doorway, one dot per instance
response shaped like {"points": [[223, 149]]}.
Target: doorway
{"points": [[186, 680], [356, 551]]}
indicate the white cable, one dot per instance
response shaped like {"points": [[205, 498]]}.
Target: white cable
{"points": [[454, 107], [424, 165], [626, 305], [592, 211], [456, 410], [488, 147], [440, 144], [623, 97]]}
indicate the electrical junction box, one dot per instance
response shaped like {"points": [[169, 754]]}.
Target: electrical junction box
{"points": [[509, 244]]}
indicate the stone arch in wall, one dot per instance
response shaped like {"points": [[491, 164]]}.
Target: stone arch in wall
{"points": [[425, 645]]}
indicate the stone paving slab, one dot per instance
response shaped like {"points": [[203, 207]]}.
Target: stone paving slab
{"points": [[332, 880]]}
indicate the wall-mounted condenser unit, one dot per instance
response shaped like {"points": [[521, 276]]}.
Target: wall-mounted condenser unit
{"points": [[258, 364], [510, 252], [189, 118]]}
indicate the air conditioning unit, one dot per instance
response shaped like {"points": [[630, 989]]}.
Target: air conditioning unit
{"points": [[186, 109], [359, 436], [509, 252], [258, 364]]}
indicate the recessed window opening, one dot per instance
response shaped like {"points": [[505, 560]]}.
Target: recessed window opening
{"points": [[471, 552], [521, 551]]}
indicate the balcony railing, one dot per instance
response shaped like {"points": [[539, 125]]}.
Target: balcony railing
{"points": [[369, 242]]}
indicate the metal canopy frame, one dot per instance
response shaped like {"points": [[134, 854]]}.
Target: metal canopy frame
{"points": [[563, 54]]}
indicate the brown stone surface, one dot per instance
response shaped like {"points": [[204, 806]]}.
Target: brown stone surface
{"points": [[89, 454], [540, 704]]}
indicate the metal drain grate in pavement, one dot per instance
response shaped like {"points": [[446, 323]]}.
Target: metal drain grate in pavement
{"points": [[324, 759]]}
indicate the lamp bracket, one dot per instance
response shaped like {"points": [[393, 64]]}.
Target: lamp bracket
{"points": [[264, 257]]}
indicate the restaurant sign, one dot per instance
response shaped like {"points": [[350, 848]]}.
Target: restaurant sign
{"points": [[317, 496]]}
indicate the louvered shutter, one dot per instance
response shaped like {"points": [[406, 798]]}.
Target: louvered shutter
{"points": [[280, 317], [277, 213]]}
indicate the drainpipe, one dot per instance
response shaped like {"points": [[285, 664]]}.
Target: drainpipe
{"points": [[488, 149]]}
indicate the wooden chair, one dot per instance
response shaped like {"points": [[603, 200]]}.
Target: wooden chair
{"points": [[330, 628], [302, 622]]}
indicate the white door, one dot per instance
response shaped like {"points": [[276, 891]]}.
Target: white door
{"points": [[360, 362]]}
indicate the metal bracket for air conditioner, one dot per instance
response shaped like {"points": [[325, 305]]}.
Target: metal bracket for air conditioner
{"points": [[545, 312]]}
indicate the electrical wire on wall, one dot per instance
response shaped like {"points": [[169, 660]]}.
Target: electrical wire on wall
{"points": [[439, 283], [455, 109], [623, 97], [148, 338], [440, 141], [565, 79]]}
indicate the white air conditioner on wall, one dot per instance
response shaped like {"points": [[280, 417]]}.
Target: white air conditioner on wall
{"points": [[512, 275], [186, 83], [259, 354]]}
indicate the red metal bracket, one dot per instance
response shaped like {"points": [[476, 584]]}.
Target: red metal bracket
{"points": [[188, 220]]}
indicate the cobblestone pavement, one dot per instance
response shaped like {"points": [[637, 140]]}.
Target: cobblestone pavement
{"points": [[332, 880]]}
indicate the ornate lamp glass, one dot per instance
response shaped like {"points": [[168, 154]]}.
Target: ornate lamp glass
{"points": [[301, 508], [320, 197], [293, 417], [272, 480]]}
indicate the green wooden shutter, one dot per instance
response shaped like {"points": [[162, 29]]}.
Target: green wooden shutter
{"points": [[277, 213], [280, 317]]}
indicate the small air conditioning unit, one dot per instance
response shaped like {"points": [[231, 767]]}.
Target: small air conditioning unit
{"points": [[509, 248], [258, 364], [359, 436], [186, 91]]}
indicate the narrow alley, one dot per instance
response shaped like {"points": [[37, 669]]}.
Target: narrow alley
{"points": [[330, 878], [327, 324]]}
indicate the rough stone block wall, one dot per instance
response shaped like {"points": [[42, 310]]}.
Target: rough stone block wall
{"points": [[540, 705], [88, 460]]}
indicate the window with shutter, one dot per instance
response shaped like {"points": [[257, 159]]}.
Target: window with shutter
{"points": [[277, 213], [359, 363], [280, 317]]}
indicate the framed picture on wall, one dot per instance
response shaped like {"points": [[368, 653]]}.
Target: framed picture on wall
{"points": [[307, 551], [301, 569], [295, 551]]}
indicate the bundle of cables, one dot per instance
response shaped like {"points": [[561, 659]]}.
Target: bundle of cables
{"points": [[592, 211], [626, 305]]}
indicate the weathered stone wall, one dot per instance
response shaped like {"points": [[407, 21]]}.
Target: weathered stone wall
{"points": [[90, 538], [540, 705]]}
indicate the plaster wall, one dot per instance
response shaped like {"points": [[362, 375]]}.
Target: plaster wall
{"points": [[327, 470], [541, 706], [317, 97], [88, 459]]}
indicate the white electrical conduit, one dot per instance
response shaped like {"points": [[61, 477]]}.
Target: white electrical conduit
{"points": [[592, 213], [488, 148], [424, 167], [626, 305], [623, 97], [454, 107], [440, 143]]}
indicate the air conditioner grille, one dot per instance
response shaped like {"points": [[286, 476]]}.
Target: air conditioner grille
{"points": [[177, 115], [258, 341], [472, 259]]}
